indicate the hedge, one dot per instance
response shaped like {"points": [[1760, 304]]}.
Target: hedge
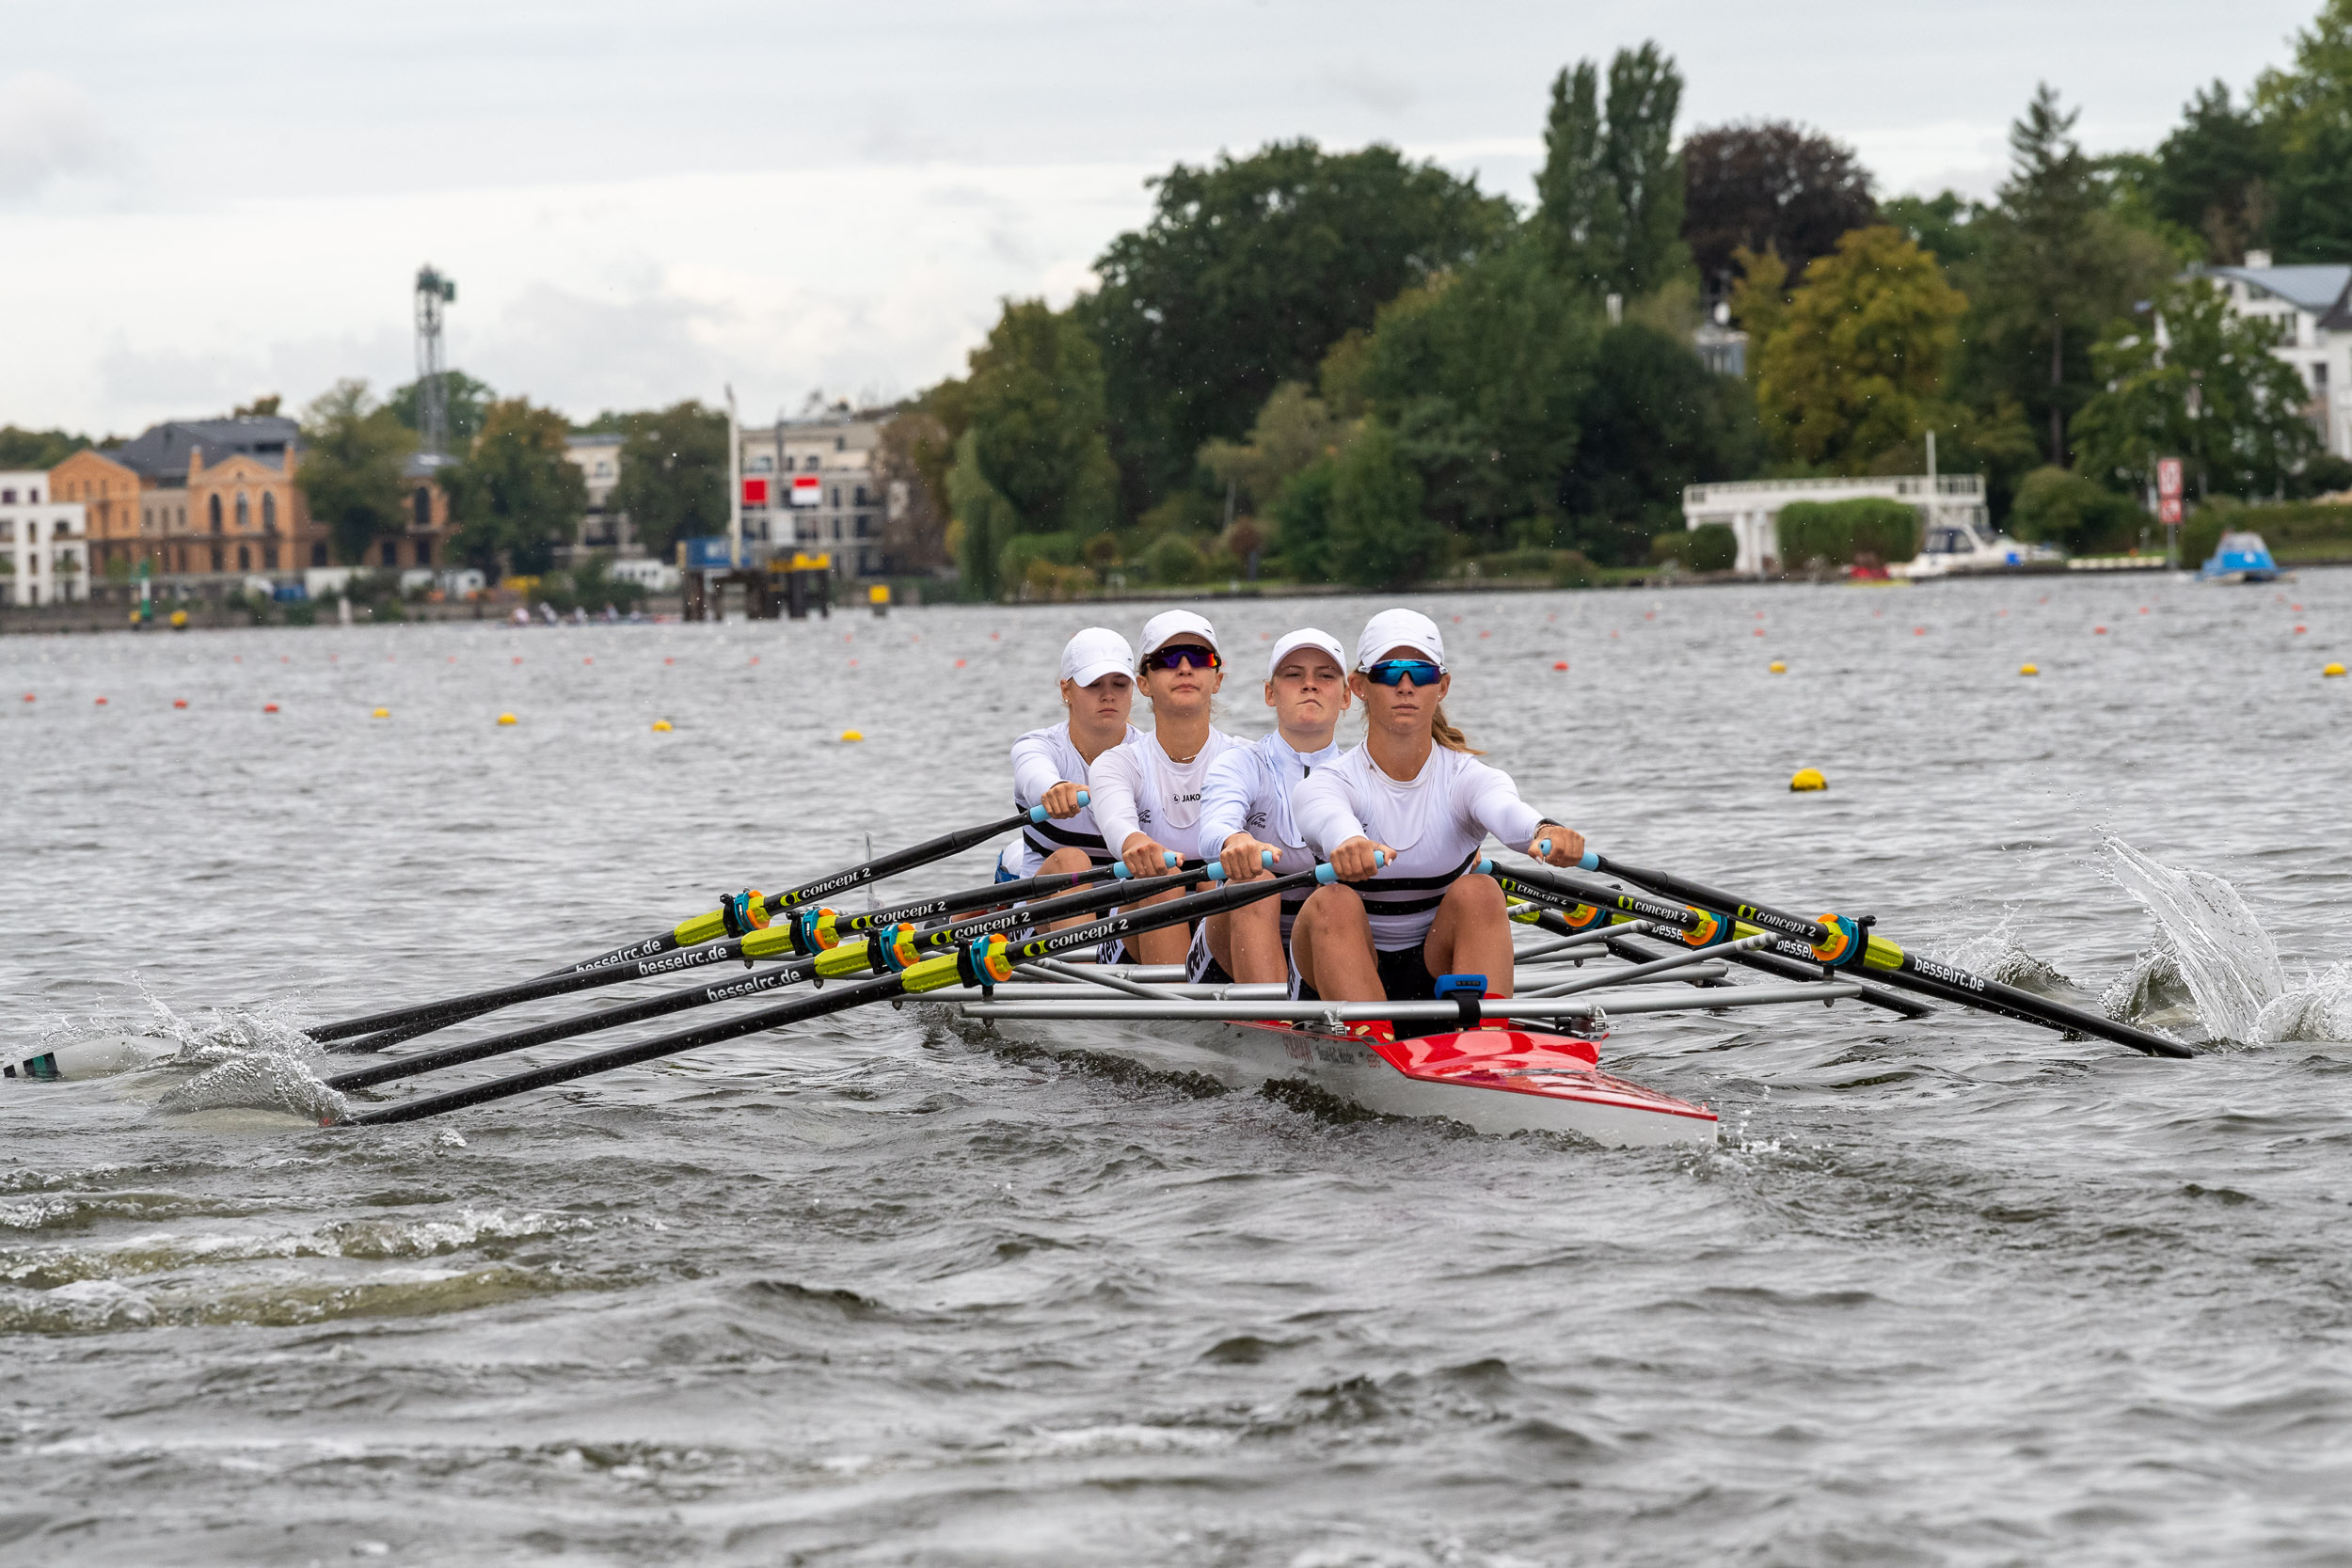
{"points": [[1837, 532]]}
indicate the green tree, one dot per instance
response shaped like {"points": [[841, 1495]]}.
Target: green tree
{"points": [[1944, 224], [353, 451], [1577, 205], [2208, 391], [1856, 364], [37, 448], [672, 483], [516, 496], [1033, 403], [469, 402], [1379, 536], [1249, 270], [2308, 111], [2213, 176], [1611, 190], [983, 524], [1653, 420], [1481, 380], [2059, 507], [1302, 514], [2056, 268], [1293, 430]]}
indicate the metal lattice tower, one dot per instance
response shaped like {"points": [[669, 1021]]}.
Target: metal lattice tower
{"points": [[432, 291]]}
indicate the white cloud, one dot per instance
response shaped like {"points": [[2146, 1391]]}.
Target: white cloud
{"points": [[51, 137]]}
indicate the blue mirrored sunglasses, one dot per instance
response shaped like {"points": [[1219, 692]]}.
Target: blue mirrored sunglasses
{"points": [[1391, 671]]}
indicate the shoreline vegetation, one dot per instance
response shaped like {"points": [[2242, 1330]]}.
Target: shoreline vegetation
{"points": [[1353, 368]]}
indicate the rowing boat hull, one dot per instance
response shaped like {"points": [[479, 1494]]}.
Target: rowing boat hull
{"points": [[1491, 1080]]}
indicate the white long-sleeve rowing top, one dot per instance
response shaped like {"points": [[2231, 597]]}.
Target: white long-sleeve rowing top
{"points": [[1437, 822], [1042, 759], [1138, 788], [1248, 790]]}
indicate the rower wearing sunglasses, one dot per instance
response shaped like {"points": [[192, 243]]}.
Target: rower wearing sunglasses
{"points": [[1402, 818], [1245, 810], [1050, 766], [1147, 792]]}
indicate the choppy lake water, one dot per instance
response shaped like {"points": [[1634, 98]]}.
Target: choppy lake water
{"points": [[1954, 1292]]}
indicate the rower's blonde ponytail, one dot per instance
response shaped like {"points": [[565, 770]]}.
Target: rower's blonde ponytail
{"points": [[1443, 732]]}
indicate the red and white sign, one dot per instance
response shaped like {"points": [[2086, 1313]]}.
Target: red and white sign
{"points": [[2167, 490], [807, 490], [754, 492]]}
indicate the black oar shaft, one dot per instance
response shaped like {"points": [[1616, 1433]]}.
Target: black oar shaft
{"points": [[791, 972], [704, 927], [839, 999], [567, 1028], [1883, 961], [399, 1024], [817, 1004]]}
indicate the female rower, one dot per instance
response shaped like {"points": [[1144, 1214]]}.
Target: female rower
{"points": [[1147, 792], [1049, 766], [1402, 818], [1246, 808]]}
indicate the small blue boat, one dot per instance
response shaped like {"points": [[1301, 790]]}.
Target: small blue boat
{"points": [[2240, 558]]}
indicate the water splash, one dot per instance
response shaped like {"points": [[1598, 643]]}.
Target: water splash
{"points": [[1994, 952], [2212, 944], [249, 1058]]}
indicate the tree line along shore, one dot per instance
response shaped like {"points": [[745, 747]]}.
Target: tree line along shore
{"points": [[1315, 367]]}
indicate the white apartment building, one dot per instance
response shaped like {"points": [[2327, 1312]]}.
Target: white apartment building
{"points": [[836, 451], [2313, 307], [1751, 507], [43, 543]]}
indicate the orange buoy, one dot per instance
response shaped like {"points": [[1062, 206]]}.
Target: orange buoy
{"points": [[1559, 664], [269, 707]]}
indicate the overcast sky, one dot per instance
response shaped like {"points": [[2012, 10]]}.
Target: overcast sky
{"points": [[640, 203]]}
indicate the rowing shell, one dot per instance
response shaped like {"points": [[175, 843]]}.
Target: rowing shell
{"points": [[1491, 1080]]}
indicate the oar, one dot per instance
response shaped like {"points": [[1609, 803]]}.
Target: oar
{"points": [[1832, 942], [654, 956], [986, 962], [1763, 963], [736, 913], [880, 952]]}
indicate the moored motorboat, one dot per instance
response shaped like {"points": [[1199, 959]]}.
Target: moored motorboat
{"points": [[1957, 548]]}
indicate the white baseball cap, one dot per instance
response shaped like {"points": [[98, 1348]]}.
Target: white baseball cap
{"points": [[1168, 625], [1398, 628], [1096, 652], [1305, 637]]}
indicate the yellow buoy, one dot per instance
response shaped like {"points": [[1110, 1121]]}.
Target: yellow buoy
{"points": [[1807, 780], [662, 726], [852, 735], [1778, 668], [2333, 670], [506, 718], [2029, 669], [381, 713]]}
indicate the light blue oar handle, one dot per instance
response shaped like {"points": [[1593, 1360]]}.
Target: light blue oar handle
{"points": [[1214, 871], [1084, 797], [1379, 857], [1324, 875], [1038, 814], [1119, 872], [1174, 858], [1266, 858], [1590, 862]]}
